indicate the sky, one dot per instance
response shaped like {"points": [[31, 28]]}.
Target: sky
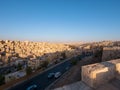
{"points": [[60, 20]]}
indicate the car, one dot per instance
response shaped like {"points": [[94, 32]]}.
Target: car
{"points": [[57, 74], [51, 75], [32, 87], [67, 68]]}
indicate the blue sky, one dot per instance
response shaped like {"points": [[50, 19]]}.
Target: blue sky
{"points": [[60, 20]]}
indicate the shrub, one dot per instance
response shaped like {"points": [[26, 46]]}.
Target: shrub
{"points": [[45, 64], [74, 62], [28, 70], [2, 79]]}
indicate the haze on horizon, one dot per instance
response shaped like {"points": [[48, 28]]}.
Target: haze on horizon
{"points": [[60, 20]]}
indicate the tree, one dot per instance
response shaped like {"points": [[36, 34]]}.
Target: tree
{"points": [[28, 70], [19, 67], [45, 64], [98, 53], [8, 71], [73, 62], [8, 60], [63, 55], [2, 79]]}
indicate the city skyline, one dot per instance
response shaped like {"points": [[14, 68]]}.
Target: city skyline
{"points": [[60, 20]]}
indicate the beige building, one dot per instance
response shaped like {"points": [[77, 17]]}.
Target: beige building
{"points": [[111, 53], [34, 63]]}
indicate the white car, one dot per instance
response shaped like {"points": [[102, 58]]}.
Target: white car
{"points": [[32, 87], [57, 74]]}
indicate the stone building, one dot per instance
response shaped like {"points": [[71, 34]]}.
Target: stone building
{"points": [[34, 63], [111, 53], [15, 75]]}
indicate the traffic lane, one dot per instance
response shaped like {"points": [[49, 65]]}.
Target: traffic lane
{"points": [[43, 85], [42, 80]]}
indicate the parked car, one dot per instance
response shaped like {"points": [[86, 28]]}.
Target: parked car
{"points": [[32, 87], [51, 75], [57, 74], [67, 68]]}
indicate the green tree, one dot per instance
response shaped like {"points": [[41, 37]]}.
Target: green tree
{"points": [[63, 55], [98, 53], [28, 70], [45, 64], [8, 60], [2, 79], [19, 67], [73, 62]]}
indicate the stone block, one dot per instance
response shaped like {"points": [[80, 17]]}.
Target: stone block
{"points": [[97, 74], [116, 62]]}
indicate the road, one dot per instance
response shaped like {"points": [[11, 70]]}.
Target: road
{"points": [[41, 80]]}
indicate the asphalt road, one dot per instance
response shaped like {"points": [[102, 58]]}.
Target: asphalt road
{"points": [[41, 80]]}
